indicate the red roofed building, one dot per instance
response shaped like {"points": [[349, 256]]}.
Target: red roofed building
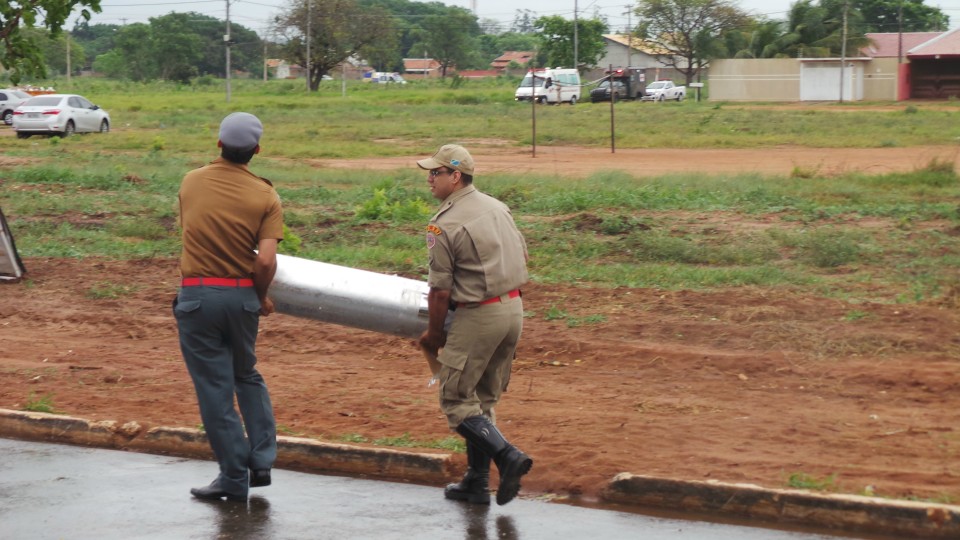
{"points": [[889, 45], [935, 67], [912, 65], [421, 68], [521, 58], [931, 62]]}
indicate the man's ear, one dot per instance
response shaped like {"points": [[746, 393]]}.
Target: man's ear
{"points": [[219, 144], [257, 149]]}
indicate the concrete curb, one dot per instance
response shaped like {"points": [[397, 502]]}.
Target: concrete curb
{"points": [[847, 513], [296, 453]]}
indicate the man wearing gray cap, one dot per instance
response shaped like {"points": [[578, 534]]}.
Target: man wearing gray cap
{"points": [[478, 262], [231, 223]]}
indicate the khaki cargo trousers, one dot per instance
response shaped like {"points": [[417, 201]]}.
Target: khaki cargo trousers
{"points": [[477, 358]]}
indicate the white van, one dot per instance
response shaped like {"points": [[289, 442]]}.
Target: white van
{"points": [[384, 77], [550, 86]]}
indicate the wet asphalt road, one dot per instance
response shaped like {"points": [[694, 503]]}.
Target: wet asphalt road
{"points": [[50, 491]]}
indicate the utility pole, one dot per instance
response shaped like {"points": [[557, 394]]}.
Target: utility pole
{"points": [[533, 102], [629, 37], [576, 64], [613, 100], [226, 41], [843, 48], [66, 35], [309, 17], [900, 33]]}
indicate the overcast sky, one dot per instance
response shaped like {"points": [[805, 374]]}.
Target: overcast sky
{"points": [[256, 14]]}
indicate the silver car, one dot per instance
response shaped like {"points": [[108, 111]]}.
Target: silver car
{"points": [[59, 114], [10, 99]]}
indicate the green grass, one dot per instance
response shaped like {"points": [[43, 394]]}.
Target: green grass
{"points": [[115, 196], [42, 404], [806, 481], [110, 291], [168, 119], [453, 444]]}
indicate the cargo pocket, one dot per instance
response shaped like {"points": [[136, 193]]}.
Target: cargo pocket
{"points": [[186, 308], [450, 384]]}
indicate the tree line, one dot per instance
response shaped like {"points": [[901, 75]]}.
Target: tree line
{"points": [[685, 34]]}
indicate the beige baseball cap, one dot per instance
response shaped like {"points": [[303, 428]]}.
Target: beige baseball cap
{"points": [[453, 156]]}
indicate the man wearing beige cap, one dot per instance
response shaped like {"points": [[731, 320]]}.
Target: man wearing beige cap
{"points": [[477, 266], [231, 224]]}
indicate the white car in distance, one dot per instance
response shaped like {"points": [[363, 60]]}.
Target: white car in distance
{"points": [[10, 99], [59, 114]]}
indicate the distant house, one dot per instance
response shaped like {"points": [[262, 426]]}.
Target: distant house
{"points": [[916, 65], [421, 68], [502, 62], [933, 68], [280, 69], [625, 51], [891, 45]]}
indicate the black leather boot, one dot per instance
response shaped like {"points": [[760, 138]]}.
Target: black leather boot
{"points": [[511, 462], [475, 486]]}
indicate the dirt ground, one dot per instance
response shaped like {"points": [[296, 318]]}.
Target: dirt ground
{"points": [[499, 157], [738, 385]]}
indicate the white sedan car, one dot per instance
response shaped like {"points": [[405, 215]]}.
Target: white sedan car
{"points": [[59, 114], [10, 99]]}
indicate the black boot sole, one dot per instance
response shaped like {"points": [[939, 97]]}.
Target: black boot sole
{"points": [[217, 496], [510, 479], [472, 498]]}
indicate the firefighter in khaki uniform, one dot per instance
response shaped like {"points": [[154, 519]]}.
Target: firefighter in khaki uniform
{"points": [[477, 266], [227, 212]]}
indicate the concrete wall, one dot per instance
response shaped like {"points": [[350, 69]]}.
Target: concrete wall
{"points": [[776, 79], [880, 79], [779, 79]]}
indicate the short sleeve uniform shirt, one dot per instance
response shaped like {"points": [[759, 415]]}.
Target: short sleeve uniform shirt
{"points": [[224, 212], [475, 249]]}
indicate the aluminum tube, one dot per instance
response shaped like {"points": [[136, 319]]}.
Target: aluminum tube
{"points": [[350, 297]]}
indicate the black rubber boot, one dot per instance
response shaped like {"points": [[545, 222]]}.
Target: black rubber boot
{"points": [[511, 462], [475, 486]]}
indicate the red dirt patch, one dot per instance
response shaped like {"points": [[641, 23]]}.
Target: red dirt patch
{"points": [[580, 161], [737, 385]]}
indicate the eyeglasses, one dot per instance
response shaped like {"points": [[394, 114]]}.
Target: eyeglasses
{"points": [[437, 172]]}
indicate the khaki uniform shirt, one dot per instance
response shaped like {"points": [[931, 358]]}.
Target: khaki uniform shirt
{"points": [[476, 251], [224, 212]]}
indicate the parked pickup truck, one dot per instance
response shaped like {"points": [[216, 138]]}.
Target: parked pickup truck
{"points": [[663, 90]]}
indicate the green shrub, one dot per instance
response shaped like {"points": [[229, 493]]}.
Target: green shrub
{"points": [[828, 248], [291, 242], [391, 202]]}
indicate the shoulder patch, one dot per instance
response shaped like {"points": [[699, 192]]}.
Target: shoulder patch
{"points": [[431, 228], [431, 240]]}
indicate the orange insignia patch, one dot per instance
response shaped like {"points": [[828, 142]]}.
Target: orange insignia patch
{"points": [[431, 228]]}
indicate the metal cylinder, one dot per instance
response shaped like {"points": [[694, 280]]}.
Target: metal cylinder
{"points": [[350, 297]]}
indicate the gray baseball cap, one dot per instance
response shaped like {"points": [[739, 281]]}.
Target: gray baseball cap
{"points": [[240, 131]]}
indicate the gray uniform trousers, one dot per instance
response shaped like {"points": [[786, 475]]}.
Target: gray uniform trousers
{"points": [[218, 333]]}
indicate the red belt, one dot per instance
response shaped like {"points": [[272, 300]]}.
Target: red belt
{"points": [[216, 282], [512, 294]]}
